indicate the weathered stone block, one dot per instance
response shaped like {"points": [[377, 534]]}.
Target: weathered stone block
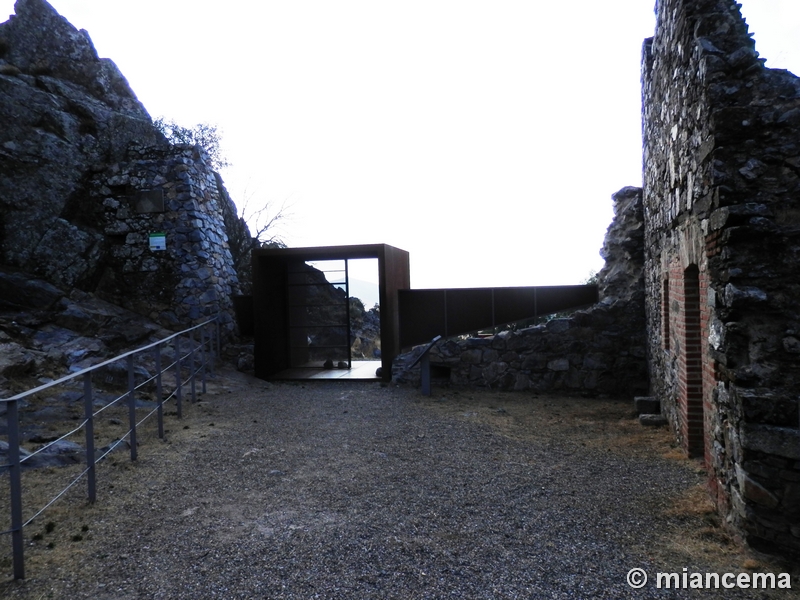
{"points": [[534, 362], [647, 405], [652, 420], [574, 379], [559, 325], [596, 361], [499, 340], [18, 291], [753, 490], [15, 360], [476, 342], [791, 500], [495, 369], [780, 441], [476, 374], [737, 297], [559, 364], [522, 382], [490, 355], [472, 357]]}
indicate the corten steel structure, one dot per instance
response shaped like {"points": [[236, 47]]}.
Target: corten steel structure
{"points": [[285, 314], [448, 312], [274, 269]]}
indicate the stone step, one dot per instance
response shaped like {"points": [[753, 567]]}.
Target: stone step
{"points": [[650, 420], [648, 405]]}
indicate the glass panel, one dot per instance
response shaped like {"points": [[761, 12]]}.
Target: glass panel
{"points": [[365, 322], [319, 314], [335, 271]]}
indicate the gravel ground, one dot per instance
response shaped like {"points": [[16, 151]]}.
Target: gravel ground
{"points": [[355, 490]]}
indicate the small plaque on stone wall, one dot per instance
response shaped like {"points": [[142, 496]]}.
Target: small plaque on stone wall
{"points": [[149, 201], [158, 241]]}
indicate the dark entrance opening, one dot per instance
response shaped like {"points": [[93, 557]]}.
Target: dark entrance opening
{"points": [[301, 311], [691, 375]]}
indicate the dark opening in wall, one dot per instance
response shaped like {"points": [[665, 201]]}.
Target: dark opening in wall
{"points": [[692, 365], [440, 372]]}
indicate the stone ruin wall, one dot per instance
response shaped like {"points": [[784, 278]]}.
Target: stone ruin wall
{"points": [[173, 192], [722, 242], [600, 351]]}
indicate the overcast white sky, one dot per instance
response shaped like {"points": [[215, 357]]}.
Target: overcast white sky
{"points": [[483, 137]]}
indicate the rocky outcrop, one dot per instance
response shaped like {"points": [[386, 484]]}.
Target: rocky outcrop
{"points": [[67, 331], [621, 278], [65, 112], [365, 331], [39, 42], [598, 351], [86, 179]]}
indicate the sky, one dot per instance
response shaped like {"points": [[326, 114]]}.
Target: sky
{"points": [[483, 137]]}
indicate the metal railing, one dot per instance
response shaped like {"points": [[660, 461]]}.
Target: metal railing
{"points": [[207, 346], [424, 360]]}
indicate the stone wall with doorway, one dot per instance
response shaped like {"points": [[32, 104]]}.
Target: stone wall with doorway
{"points": [[722, 247]]}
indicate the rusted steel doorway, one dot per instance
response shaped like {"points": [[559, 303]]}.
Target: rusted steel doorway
{"points": [[283, 289]]}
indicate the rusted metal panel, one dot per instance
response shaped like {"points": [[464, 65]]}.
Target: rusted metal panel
{"points": [[425, 314]]}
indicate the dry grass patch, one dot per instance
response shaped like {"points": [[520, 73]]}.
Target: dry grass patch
{"points": [[611, 426], [58, 538]]}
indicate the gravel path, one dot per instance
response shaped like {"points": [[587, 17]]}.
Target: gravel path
{"points": [[353, 490]]}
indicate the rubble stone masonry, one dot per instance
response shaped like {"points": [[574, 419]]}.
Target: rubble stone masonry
{"points": [[722, 249]]}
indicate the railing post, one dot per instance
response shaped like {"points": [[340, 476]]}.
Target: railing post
{"points": [[203, 364], [211, 349], [159, 395], [88, 414], [424, 361], [192, 349], [178, 402], [425, 374], [219, 338], [14, 469], [131, 408]]}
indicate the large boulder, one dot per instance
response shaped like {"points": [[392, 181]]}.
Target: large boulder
{"points": [[19, 292]]}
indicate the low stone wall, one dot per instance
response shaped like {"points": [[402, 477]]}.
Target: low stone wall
{"points": [[590, 352], [599, 351]]}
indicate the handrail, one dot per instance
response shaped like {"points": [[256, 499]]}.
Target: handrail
{"points": [[182, 361], [66, 378]]}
